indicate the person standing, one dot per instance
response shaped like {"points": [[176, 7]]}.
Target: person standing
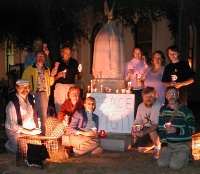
{"points": [[178, 73], [21, 117], [40, 79], [176, 126], [66, 76], [153, 75], [37, 46], [134, 70], [147, 117]]}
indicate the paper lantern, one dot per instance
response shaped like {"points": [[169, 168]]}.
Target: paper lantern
{"points": [[196, 146]]}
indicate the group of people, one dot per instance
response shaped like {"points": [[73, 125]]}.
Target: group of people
{"points": [[160, 95], [165, 122]]}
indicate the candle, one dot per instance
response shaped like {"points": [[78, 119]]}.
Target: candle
{"points": [[101, 88], [117, 91], [80, 68], [102, 134], [91, 86], [89, 89], [129, 84]]}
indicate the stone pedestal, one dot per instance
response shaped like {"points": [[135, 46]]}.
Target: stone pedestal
{"points": [[117, 141]]}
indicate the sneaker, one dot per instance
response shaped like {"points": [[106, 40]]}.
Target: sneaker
{"points": [[155, 153]]}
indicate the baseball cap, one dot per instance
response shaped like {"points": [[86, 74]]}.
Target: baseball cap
{"points": [[22, 82]]}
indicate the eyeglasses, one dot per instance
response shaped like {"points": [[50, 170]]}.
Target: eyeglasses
{"points": [[171, 94]]}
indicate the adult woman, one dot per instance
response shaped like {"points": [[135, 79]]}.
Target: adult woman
{"points": [[56, 126], [154, 73]]}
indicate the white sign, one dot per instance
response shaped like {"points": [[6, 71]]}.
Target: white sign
{"points": [[115, 111]]}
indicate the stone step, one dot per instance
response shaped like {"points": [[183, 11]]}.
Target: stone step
{"points": [[117, 141]]}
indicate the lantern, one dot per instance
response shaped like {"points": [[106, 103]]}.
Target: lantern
{"points": [[196, 146]]}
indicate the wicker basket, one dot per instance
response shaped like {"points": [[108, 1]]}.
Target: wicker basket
{"points": [[51, 144]]}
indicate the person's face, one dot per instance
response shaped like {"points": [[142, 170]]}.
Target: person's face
{"points": [[137, 54], [40, 58], [23, 90], [38, 45], [157, 60], [66, 54], [172, 96], [74, 96], [149, 99], [173, 56], [89, 105]]}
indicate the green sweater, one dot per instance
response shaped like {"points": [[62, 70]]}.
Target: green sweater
{"points": [[183, 121]]}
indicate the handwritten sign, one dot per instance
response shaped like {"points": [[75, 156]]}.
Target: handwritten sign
{"points": [[115, 111]]}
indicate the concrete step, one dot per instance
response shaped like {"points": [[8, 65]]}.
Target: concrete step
{"points": [[117, 141]]}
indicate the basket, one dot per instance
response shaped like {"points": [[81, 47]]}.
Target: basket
{"points": [[51, 144], [196, 146]]}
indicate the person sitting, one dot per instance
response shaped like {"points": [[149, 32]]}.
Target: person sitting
{"points": [[82, 138], [176, 126], [21, 117], [147, 117], [56, 126]]}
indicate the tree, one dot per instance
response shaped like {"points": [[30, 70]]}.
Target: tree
{"points": [[58, 22]]}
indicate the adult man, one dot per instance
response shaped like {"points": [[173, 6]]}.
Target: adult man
{"points": [[178, 73], [67, 74], [40, 79], [176, 125], [82, 138], [21, 118], [37, 46], [134, 70], [147, 117]]}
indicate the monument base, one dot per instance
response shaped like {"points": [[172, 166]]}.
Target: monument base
{"points": [[117, 141], [113, 84]]}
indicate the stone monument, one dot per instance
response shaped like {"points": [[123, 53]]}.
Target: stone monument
{"points": [[108, 57]]}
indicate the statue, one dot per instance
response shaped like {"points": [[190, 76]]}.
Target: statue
{"points": [[108, 57]]}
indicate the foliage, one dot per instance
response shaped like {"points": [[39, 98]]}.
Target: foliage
{"points": [[21, 21]]}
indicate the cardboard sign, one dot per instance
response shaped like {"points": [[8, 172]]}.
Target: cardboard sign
{"points": [[115, 111]]}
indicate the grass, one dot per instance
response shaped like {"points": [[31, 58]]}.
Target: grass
{"points": [[109, 162]]}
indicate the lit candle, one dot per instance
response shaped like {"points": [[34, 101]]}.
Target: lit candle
{"points": [[88, 89], [117, 91], [129, 84], [101, 88], [91, 86]]}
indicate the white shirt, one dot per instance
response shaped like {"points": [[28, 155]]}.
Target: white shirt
{"points": [[26, 115], [148, 116]]}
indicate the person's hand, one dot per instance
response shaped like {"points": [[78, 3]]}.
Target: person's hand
{"points": [[35, 131], [59, 75], [139, 83], [170, 130], [54, 71], [178, 85], [46, 51], [80, 74], [141, 133]]}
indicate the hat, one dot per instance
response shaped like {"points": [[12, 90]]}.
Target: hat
{"points": [[22, 82]]}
